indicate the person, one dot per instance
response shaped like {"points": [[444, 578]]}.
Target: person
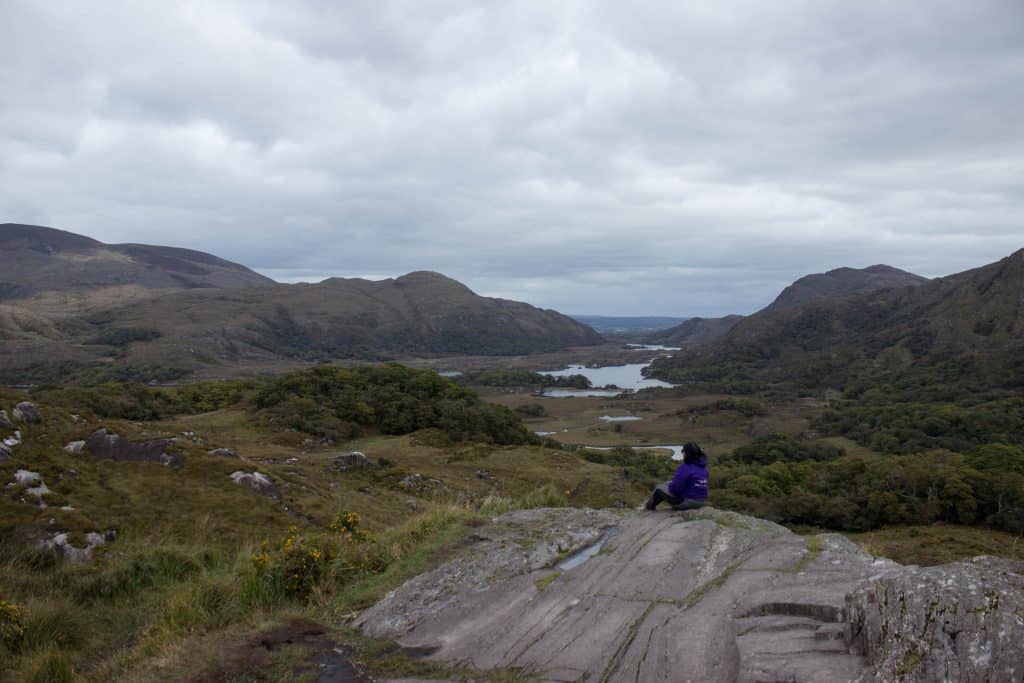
{"points": [[688, 489]]}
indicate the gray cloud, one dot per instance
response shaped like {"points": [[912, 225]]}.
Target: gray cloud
{"points": [[598, 157]]}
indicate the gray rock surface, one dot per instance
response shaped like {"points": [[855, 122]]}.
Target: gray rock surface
{"points": [[107, 446], [343, 462], [258, 482], [702, 595], [5, 421], [222, 452], [26, 412], [958, 622], [75, 447], [5, 452], [61, 544]]}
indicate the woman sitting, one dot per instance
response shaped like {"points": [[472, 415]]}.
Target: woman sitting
{"points": [[688, 489]]}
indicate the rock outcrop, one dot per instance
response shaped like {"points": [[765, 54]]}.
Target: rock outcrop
{"points": [[344, 462], [107, 446], [26, 412], [222, 453], [702, 595], [5, 421], [258, 482], [61, 543], [958, 622]]}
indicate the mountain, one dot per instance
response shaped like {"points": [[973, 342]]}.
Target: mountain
{"points": [[419, 313], [615, 324], [35, 260], [969, 326], [843, 282], [695, 331], [71, 305]]}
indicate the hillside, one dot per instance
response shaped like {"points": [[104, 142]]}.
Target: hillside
{"points": [[843, 282], [969, 323], [35, 260], [695, 331], [78, 308]]}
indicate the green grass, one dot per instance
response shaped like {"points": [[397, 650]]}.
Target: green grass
{"points": [[939, 543]]}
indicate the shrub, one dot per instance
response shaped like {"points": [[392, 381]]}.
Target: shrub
{"points": [[54, 668], [12, 624], [547, 496]]}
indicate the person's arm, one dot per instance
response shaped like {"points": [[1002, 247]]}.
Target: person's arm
{"points": [[678, 484]]}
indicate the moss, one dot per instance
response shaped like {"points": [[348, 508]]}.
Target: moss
{"points": [[545, 581]]}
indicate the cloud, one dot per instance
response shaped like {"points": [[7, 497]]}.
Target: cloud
{"points": [[599, 157]]}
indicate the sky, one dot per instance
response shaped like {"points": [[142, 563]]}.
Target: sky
{"points": [[620, 158]]}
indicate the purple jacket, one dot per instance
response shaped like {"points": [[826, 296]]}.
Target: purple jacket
{"points": [[690, 481]]}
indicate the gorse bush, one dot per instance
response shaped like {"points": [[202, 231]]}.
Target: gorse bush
{"points": [[12, 624]]}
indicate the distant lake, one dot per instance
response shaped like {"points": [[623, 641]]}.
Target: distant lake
{"points": [[628, 376], [652, 347]]}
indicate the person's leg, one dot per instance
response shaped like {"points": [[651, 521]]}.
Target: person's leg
{"points": [[689, 504], [659, 494]]}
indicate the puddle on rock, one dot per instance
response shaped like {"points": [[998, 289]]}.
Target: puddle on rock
{"points": [[581, 556]]}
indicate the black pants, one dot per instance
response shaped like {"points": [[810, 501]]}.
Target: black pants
{"points": [[661, 494]]}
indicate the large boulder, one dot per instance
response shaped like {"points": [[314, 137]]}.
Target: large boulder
{"points": [[702, 595], [258, 482], [958, 622], [344, 462], [27, 412], [108, 446]]}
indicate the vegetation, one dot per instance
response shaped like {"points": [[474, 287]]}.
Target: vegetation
{"points": [[511, 377], [816, 484]]}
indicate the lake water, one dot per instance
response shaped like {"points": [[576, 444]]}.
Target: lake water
{"points": [[652, 347], [619, 418], [677, 449], [629, 376]]}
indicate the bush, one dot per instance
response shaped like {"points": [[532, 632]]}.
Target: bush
{"points": [[54, 668], [142, 571], [12, 624], [532, 410]]}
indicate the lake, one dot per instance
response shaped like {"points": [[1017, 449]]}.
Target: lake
{"points": [[652, 347], [629, 376]]}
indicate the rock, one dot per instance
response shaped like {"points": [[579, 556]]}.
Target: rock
{"points": [[33, 483], [106, 446], [344, 462], [75, 447], [61, 544], [5, 422], [26, 412], [703, 595], [27, 478], [958, 622], [484, 474], [5, 452], [13, 441], [258, 482], [222, 452]]}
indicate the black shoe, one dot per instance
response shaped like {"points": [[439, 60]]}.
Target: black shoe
{"points": [[649, 505]]}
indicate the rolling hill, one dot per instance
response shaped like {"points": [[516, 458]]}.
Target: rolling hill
{"points": [[967, 325], [35, 259], [72, 304], [836, 283]]}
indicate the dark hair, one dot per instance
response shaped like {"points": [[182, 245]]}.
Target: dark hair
{"points": [[694, 454]]}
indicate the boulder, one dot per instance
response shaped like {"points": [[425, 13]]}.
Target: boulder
{"points": [[12, 441], [27, 412], [62, 545], [5, 452], [108, 446], [702, 595], [5, 421], [958, 622], [344, 462], [258, 482], [75, 447], [484, 474], [222, 452]]}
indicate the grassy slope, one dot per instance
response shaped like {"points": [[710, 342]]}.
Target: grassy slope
{"points": [[170, 581]]}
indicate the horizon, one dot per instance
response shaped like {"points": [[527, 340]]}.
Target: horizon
{"points": [[686, 159]]}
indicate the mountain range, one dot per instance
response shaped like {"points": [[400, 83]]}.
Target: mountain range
{"points": [[68, 302], [967, 326], [834, 284]]}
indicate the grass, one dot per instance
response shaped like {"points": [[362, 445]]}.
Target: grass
{"points": [[939, 543]]}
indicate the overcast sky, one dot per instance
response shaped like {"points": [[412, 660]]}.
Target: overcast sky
{"points": [[594, 157]]}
